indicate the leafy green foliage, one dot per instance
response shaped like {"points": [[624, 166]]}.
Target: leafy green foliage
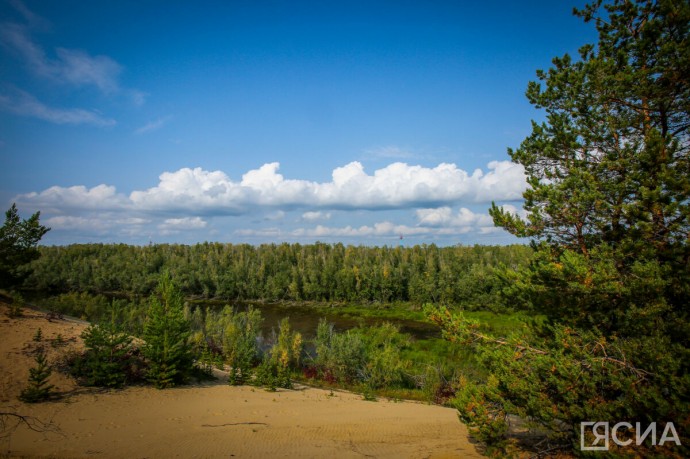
{"points": [[18, 241], [38, 389], [206, 361], [369, 355], [241, 330], [283, 357], [293, 272], [166, 335], [435, 385], [339, 357], [385, 366], [608, 210]]}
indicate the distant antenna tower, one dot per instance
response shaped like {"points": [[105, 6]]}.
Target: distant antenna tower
{"points": [[401, 240]]}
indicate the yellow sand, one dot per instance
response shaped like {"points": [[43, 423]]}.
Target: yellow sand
{"points": [[209, 420]]}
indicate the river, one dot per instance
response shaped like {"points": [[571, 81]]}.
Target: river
{"points": [[304, 319]]}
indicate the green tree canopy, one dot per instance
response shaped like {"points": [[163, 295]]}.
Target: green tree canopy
{"points": [[18, 241], [608, 209], [609, 170]]}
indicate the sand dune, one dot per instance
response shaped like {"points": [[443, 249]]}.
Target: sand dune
{"points": [[213, 419]]}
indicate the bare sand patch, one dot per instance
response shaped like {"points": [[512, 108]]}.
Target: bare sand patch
{"points": [[212, 420]]}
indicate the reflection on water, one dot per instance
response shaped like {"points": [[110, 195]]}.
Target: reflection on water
{"points": [[305, 319]]}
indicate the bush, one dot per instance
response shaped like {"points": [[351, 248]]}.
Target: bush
{"points": [[370, 355], [384, 365], [15, 307], [339, 356], [239, 343], [437, 387], [277, 365]]}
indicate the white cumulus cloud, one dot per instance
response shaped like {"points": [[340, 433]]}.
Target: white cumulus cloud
{"points": [[444, 217], [186, 201], [64, 199], [395, 186]]}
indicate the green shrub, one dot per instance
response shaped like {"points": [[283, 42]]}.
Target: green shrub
{"points": [[277, 365], [370, 354], [340, 357], [239, 343], [15, 307], [384, 366]]}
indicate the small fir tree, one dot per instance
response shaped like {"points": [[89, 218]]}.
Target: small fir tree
{"points": [[166, 332], [38, 389], [106, 360]]}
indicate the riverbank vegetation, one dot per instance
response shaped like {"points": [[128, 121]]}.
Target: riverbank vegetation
{"points": [[235, 338]]}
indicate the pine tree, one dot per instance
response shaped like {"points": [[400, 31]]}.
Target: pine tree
{"points": [[38, 389], [166, 333], [18, 241], [106, 359], [608, 211]]}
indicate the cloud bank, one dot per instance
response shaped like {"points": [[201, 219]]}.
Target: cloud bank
{"points": [[396, 186], [194, 200]]}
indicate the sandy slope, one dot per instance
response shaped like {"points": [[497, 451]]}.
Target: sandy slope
{"points": [[210, 420]]}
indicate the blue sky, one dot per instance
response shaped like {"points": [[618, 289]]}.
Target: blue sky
{"points": [[253, 121]]}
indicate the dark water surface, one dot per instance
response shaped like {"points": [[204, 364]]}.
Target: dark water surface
{"points": [[305, 319]]}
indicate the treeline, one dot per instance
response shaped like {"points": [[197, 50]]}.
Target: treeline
{"points": [[283, 272]]}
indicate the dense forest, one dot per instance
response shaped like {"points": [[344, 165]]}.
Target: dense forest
{"points": [[459, 275]]}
